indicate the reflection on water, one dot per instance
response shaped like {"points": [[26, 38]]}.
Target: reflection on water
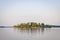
{"points": [[30, 33], [31, 27], [32, 30]]}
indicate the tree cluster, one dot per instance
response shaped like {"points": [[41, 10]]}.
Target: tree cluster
{"points": [[28, 25]]}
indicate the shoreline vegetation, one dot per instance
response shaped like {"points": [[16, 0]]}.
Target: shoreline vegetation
{"points": [[31, 25]]}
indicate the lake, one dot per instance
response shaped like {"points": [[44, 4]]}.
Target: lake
{"points": [[30, 34]]}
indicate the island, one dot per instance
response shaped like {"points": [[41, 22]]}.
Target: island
{"points": [[31, 25]]}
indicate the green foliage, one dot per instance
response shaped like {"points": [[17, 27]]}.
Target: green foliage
{"points": [[28, 25]]}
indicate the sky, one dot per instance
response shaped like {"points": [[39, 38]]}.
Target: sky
{"points": [[14, 12]]}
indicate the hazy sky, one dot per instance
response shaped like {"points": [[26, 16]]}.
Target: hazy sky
{"points": [[20, 11]]}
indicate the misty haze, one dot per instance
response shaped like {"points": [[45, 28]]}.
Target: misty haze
{"points": [[29, 19]]}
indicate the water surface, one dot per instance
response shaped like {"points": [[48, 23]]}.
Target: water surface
{"points": [[30, 34]]}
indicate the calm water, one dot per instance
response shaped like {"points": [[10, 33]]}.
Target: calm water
{"points": [[30, 34]]}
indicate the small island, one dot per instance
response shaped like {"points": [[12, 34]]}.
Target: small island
{"points": [[31, 25]]}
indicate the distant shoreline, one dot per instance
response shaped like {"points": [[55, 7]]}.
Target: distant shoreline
{"points": [[6, 26], [44, 25]]}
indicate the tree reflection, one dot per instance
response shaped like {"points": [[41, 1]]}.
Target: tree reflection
{"points": [[42, 27], [31, 30], [31, 27]]}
